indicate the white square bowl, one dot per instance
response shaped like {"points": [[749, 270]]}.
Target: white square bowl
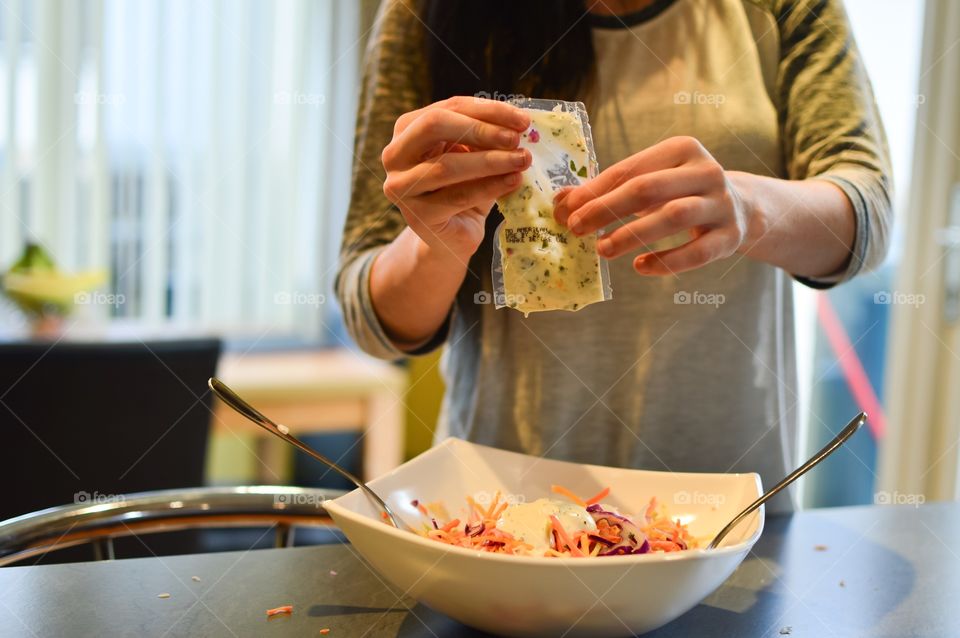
{"points": [[538, 596]]}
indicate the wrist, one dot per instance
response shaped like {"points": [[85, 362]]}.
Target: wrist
{"points": [[756, 215], [412, 286], [438, 252]]}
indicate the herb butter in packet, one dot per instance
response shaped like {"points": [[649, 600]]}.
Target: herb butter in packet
{"points": [[537, 263]]}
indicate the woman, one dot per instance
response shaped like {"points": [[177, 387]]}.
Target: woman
{"points": [[745, 128]]}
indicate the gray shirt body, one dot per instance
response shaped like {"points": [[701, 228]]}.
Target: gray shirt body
{"points": [[693, 372]]}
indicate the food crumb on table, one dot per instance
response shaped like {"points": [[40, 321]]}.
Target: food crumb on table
{"points": [[842, 583], [276, 611], [820, 548], [786, 631], [325, 631], [333, 572], [163, 595], [195, 579]]}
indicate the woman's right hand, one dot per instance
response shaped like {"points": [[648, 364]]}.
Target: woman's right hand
{"points": [[448, 162]]}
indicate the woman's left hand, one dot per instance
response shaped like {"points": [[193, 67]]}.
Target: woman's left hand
{"points": [[673, 186]]}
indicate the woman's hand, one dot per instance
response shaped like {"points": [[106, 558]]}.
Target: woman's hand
{"points": [[448, 162], [673, 186]]}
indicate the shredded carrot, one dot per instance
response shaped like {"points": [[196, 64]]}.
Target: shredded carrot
{"points": [[276, 611], [593, 500], [449, 526], [583, 541], [493, 505], [563, 537], [608, 532], [325, 631], [475, 510], [499, 510], [651, 508], [559, 489], [667, 546], [478, 530]]}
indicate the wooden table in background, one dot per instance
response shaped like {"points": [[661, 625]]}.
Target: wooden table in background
{"points": [[315, 392]]}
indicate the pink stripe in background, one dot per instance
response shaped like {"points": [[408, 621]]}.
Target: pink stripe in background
{"points": [[853, 372]]}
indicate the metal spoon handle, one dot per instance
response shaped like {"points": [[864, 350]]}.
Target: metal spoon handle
{"points": [[827, 450], [234, 400]]}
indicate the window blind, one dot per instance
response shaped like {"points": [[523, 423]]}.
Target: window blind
{"points": [[198, 151]]}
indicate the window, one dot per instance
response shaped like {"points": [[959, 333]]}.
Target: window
{"points": [[845, 332], [198, 152]]}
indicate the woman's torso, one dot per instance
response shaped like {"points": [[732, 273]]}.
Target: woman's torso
{"points": [[692, 372]]}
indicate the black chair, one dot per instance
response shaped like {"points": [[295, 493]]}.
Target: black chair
{"points": [[80, 422]]}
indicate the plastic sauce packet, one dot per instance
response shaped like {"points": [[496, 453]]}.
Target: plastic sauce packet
{"points": [[538, 264]]}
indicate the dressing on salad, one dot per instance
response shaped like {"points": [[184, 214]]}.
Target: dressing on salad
{"points": [[530, 523]]}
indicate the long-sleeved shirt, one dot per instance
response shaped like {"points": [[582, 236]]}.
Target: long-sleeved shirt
{"points": [[693, 372]]}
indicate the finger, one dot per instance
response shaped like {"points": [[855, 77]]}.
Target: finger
{"points": [[669, 153], [441, 125], [490, 111], [669, 219], [453, 168], [706, 248], [435, 151], [406, 119], [635, 196], [442, 204], [561, 194]]}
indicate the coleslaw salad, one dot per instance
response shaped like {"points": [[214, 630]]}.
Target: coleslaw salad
{"points": [[580, 528]]}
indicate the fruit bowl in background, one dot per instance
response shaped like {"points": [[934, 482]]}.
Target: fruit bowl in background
{"points": [[42, 292]]}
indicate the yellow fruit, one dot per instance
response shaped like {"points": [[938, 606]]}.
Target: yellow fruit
{"points": [[34, 291]]}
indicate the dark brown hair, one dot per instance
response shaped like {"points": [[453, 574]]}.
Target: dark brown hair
{"points": [[536, 48]]}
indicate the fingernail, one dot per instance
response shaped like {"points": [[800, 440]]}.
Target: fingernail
{"points": [[520, 159], [575, 225], [508, 138], [605, 247]]}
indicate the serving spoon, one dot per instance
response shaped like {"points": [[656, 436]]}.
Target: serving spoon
{"points": [[827, 450], [233, 400]]}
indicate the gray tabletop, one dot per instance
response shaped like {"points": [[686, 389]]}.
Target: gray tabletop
{"points": [[860, 572]]}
